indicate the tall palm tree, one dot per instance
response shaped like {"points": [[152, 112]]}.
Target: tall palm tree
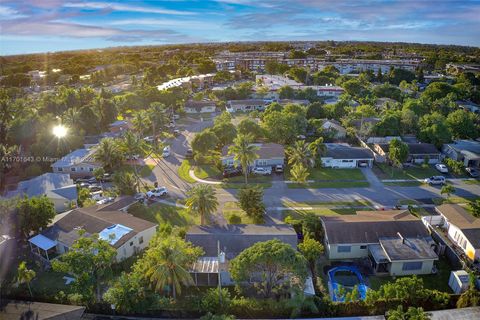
{"points": [[202, 199], [108, 153], [244, 152], [300, 153], [169, 271], [141, 122], [299, 173], [72, 117], [131, 145], [25, 275], [317, 148]]}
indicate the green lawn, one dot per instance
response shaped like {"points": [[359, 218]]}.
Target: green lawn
{"points": [[384, 171], [207, 171], [298, 214], [355, 203], [161, 213], [238, 185], [48, 283], [453, 199], [437, 281], [472, 181], [329, 184], [183, 171], [404, 183], [143, 171], [232, 208], [331, 174]]}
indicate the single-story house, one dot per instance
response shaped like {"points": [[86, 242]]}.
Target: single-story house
{"points": [[394, 241], [417, 152], [467, 151], [468, 105], [462, 229], [126, 233], [342, 155], [269, 155], [58, 187], [204, 106], [301, 102], [334, 128], [246, 105], [119, 126], [329, 91], [230, 240], [79, 163]]}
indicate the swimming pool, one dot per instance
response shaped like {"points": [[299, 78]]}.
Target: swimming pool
{"points": [[350, 276]]}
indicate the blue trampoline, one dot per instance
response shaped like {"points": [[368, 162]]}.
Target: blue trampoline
{"points": [[334, 286]]}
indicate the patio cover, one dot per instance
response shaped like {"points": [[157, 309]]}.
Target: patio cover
{"points": [[377, 253], [42, 242]]}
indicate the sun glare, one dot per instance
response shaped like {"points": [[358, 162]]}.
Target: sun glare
{"points": [[59, 131]]}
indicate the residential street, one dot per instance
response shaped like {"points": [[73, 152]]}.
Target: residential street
{"points": [[380, 195]]}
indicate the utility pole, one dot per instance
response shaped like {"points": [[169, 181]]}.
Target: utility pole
{"points": [[219, 276]]}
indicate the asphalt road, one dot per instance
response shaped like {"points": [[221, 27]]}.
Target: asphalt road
{"points": [[378, 194]]}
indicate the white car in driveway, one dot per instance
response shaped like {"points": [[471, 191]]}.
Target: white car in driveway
{"points": [[261, 171], [157, 192], [435, 180], [441, 168]]}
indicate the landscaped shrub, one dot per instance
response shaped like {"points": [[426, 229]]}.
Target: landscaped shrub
{"points": [[210, 301], [234, 219]]}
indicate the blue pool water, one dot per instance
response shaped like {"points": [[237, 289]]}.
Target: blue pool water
{"points": [[334, 285]]}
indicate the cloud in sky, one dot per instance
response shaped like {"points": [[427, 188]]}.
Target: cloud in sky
{"points": [[100, 23]]}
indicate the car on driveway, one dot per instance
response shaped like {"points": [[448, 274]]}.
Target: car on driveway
{"points": [[189, 154], [176, 132], [472, 172], [441, 168], [157, 192], [279, 168], [139, 196], [261, 171], [232, 172], [435, 180], [95, 188]]}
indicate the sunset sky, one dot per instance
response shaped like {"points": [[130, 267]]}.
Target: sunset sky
{"points": [[53, 25]]}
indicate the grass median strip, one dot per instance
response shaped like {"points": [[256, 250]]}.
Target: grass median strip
{"points": [[183, 171], [329, 184]]}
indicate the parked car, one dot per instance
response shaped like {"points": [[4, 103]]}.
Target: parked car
{"points": [[96, 195], [82, 180], [139, 196], [149, 139], [435, 180], [105, 200], [94, 187], [157, 192], [107, 177], [262, 171], [189, 154], [166, 151], [441, 168], [472, 172], [176, 132], [132, 157], [232, 172], [84, 184], [279, 168]]}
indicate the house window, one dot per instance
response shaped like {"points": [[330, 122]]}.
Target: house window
{"points": [[59, 169], [363, 247], [140, 240], [261, 162], [73, 169], [410, 266], [91, 169], [344, 248], [131, 243]]}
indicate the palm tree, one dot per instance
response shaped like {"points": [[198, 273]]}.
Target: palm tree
{"points": [[317, 148], [72, 117], [244, 152], [202, 199], [25, 275], [300, 153], [169, 271], [299, 173], [141, 122], [108, 154], [132, 145]]}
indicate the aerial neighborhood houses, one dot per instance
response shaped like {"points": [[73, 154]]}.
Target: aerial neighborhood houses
{"points": [[418, 153], [205, 106], [467, 151], [269, 155], [248, 105], [126, 233], [342, 155], [393, 242], [79, 163], [58, 187]]}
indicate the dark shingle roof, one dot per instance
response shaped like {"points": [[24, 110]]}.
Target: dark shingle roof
{"points": [[236, 238], [370, 226], [341, 151], [265, 150], [198, 105], [414, 148]]}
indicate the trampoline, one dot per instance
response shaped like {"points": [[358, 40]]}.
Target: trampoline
{"points": [[351, 277]]}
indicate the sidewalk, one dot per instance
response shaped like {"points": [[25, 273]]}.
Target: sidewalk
{"points": [[192, 175]]}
